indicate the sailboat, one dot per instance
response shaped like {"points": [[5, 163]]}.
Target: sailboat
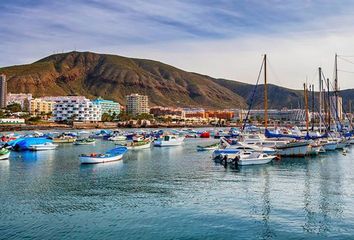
{"points": [[295, 148]]}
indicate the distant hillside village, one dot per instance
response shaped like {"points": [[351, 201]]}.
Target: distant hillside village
{"points": [[22, 108]]}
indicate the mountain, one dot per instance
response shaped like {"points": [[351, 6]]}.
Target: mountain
{"points": [[113, 77]]}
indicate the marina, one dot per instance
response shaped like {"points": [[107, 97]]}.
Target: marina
{"points": [[172, 192]]}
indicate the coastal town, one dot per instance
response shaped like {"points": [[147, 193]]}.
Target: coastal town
{"points": [[23, 109]]}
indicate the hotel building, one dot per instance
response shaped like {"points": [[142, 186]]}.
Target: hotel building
{"points": [[40, 106], [108, 106], [137, 104], [75, 108], [3, 90], [20, 98]]}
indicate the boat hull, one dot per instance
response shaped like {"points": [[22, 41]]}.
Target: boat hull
{"points": [[5, 156], [94, 160], [145, 146], [255, 161], [293, 150]]}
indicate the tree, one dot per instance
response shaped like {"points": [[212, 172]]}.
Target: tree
{"points": [[14, 107], [106, 117]]}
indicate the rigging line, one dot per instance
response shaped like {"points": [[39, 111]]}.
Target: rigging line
{"points": [[253, 94], [346, 60], [273, 72], [339, 70], [348, 56]]}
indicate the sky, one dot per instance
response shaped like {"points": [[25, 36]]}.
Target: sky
{"points": [[220, 38]]}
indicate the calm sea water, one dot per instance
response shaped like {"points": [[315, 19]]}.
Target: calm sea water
{"points": [[174, 193]]}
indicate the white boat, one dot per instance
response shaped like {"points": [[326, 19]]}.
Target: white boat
{"points": [[85, 141], [208, 148], [137, 145], [115, 154], [43, 147], [254, 158], [293, 149], [328, 145], [168, 141], [4, 153], [117, 138]]}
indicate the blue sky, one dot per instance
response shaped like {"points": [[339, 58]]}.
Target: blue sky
{"points": [[220, 38]]}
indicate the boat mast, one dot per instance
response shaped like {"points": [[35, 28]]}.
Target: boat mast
{"points": [[265, 93], [320, 97], [329, 106], [313, 108], [336, 83], [306, 109]]}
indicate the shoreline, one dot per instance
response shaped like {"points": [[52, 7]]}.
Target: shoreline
{"points": [[30, 127]]}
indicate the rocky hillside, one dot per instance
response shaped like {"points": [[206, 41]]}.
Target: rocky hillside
{"points": [[113, 77]]}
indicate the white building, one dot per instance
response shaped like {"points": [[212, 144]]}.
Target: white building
{"points": [[137, 104], [21, 98], [75, 108]]}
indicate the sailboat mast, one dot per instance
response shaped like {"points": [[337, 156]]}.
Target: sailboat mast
{"points": [[265, 93], [320, 96], [313, 108], [336, 82], [306, 108], [329, 106]]}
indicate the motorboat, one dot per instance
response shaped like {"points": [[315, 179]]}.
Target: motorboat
{"points": [[117, 138], [169, 141], [4, 153], [115, 154], [43, 146], [208, 147], [293, 149], [254, 158], [137, 145], [85, 141], [64, 139], [328, 145]]}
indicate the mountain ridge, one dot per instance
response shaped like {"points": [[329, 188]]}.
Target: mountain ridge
{"points": [[113, 77]]}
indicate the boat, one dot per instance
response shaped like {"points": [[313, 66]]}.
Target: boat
{"points": [[117, 138], [253, 158], [136, 145], [115, 154], [205, 135], [208, 147], [169, 141], [64, 139], [293, 149], [4, 153], [43, 146], [85, 141], [328, 145]]}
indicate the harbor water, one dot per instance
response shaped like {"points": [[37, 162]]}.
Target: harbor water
{"points": [[174, 193]]}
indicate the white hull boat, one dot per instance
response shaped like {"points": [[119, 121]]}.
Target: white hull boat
{"points": [[255, 158], [293, 149], [43, 147], [5, 156], [110, 156], [117, 138], [169, 141], [138, 145]]}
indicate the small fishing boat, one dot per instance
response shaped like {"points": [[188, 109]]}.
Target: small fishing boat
{"points": [[254, 158], [85, 141], [64, 139], [137, 145], [169, 141], [43, 146], [328, 145], [115, 154], [208, 147], [4, 153], [293, 149], [117, 138]]}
